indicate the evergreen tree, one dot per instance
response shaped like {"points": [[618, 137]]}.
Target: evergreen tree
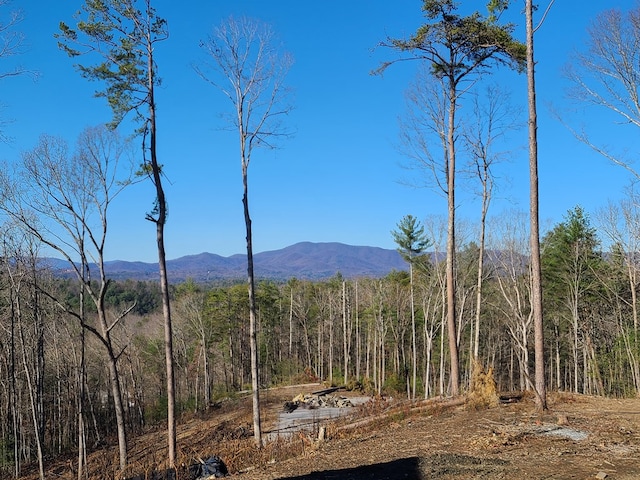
{"points": [[412, 242], [570, 262], [123, 34]]}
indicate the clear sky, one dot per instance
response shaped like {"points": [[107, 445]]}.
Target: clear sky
{"points": [[340, 178]]}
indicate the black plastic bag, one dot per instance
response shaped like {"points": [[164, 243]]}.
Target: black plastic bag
{"points": [[209, 467]]}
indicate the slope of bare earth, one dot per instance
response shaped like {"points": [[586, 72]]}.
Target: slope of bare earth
{"points": [[580, 437]]}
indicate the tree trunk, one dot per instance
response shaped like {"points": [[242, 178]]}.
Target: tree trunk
{"points": [[116, 392], [442, 374], [207, 374], [345, 333], [30, 386], [536, 300], [428, 349], [291, 322], [483, 224], [330, 343], [451, 244], [368, 352], [14, 396], [168, 345], [413, 335], [82, 447], [39, 366], [358, 340], [575, 349], [253, 334], [160, 222]]}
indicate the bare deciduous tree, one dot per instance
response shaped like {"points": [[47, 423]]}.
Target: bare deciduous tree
{"points": [[11, 44], [190, 307], [514, 285], [27, 331], [621, 224], [607, 77], [249, 68], [491, 120], [63, 201], [11, 40]]}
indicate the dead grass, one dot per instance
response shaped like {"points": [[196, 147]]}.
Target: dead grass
{"points": [[483, 392]]}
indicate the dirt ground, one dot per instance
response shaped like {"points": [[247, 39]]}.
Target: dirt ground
{"points": [[580, 437]]}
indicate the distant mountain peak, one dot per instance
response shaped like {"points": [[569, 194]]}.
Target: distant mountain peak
{"points": [[303, 260]]}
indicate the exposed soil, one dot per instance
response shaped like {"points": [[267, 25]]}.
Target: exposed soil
{"points": [[579, 438]]}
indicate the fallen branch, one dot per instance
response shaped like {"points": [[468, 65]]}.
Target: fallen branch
{"points": [[414, 407]]}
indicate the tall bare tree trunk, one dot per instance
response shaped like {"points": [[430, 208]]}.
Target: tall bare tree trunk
{"points": [[116, 391], [291, 321], [536, 269], [160, 222], [82, 447], [39, 334], [414, 348], [253, 334], [483, 225], [442, 324], [330, 341], [207, 374], [358, 339], [451, 244], [168, 345], [30, 386], [345, 333], [14, 394], [243, 53]]}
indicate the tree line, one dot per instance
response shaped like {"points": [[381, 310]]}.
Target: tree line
{"points": [[382, 335]]}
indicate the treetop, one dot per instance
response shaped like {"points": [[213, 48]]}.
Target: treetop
{"points": [[457, 45]]}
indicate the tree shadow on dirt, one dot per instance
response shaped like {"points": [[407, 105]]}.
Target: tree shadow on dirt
{"points": [[443, 465], [402, 469]]}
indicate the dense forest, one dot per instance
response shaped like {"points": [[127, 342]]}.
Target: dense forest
{"points": [[86, 361]]}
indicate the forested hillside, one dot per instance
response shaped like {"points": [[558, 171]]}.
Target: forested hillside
{"points": [[343, 331]]}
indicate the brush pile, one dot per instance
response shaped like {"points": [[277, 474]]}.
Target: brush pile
{"points": [[322, 399]]}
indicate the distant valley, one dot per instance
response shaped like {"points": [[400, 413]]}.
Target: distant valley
{"points": [[305, 261]]}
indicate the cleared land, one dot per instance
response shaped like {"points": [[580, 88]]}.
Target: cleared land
{"points": [[580, 437]]}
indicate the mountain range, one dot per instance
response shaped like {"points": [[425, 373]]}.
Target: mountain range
{"points": [[305, 261]]}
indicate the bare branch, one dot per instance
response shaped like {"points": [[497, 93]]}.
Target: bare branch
{"points": [[607, 75], [544, 16], [122, 315], [246, 65]]}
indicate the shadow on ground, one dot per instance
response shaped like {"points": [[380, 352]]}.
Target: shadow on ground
{"points": [[414, 468], [405, 469]]}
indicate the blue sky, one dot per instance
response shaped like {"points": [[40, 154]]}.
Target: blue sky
{"points": [[340, 178]]}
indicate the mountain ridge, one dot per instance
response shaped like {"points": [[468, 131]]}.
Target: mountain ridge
{"points": [[303, 260]]}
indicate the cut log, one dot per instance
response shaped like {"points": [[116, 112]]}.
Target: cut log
{"points": [[326, 391]]}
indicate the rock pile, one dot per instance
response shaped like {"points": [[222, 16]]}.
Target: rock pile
{"points": [[317, 400]]}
